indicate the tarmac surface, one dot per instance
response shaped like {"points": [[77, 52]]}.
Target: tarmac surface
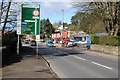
{"points": [[28, 67]]}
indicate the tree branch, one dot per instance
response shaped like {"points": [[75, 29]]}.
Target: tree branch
{"points": [[3, 29], [1, 11]]}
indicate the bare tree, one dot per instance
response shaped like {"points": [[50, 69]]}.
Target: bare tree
{"points": [[6, 16], [109, 13], [110, 17], [1, 7]]}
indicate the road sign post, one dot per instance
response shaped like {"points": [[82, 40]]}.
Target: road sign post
{"points": [[18, 49], [35, 26], [29, 21], [37, 40]]}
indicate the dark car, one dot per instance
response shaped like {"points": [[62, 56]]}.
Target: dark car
{"points": [[26, 41], [33, 43]]}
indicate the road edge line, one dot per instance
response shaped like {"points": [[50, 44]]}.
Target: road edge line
{"points": [[48, 64]]}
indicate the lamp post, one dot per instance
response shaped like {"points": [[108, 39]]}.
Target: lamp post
{"points": [[62, 25], [62, 19]]}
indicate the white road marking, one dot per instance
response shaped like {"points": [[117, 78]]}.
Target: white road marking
{"points": [[79, 58], [57, 71], [93, 62], [85, 59], [102, 65]]}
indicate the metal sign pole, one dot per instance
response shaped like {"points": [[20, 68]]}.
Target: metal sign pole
{"points": [[35, 26], [37, 51], [18, 45], [37, 55], [27, 18]]}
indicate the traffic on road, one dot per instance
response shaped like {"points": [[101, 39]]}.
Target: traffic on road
{"points": [[75, 62], [76, 39]]}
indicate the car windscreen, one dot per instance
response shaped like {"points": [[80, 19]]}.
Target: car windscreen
{"points": [[33, 41], [50, 42]]}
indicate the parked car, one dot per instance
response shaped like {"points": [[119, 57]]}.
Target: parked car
{"points": [[33, 43], [67, 43], [49, 43], [26, 41], [70, 44]]}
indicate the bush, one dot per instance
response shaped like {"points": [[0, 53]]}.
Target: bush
{"points": [[106, 40], [9, 54], [9, 39]]}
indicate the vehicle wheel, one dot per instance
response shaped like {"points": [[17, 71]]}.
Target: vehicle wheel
{"points": [[88, 47], [62, 45], [65, 45], [78, 45]]}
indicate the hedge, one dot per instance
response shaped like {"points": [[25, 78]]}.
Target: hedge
{"points": [[9, 39], [9, 54], [106, 40]]}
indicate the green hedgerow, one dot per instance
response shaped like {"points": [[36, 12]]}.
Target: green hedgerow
{"points": [[106, 40]]}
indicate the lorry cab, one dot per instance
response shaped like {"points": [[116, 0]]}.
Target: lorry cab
{"points": [[81, 38]]}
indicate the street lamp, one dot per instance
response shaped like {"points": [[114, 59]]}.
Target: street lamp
{"points": [[62, 19], [62, 25]]}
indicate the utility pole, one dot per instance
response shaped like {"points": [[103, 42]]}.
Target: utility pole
{"points": [[63, 19]]}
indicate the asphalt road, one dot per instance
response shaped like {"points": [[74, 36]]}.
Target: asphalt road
{"points": [[80, 63]]}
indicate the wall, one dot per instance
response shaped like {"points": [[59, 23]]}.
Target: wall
{"points": [[113, 50]]}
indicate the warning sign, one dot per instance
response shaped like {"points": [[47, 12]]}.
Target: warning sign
{"points": [[35, 12]]}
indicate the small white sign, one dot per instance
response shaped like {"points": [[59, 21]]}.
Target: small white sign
{"points": [[37, 37], [19, 30]]}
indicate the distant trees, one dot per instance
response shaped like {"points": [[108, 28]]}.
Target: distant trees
{"points": [[72, 27], [46, 28], [92, 13], [109, 12], [87, 22]]}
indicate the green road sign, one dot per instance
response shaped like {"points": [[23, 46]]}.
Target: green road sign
{"points": [[30, 19]]}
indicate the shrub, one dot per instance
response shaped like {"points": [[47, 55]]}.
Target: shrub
{"points": [[106, 40], [9, 54], [9, 39]]}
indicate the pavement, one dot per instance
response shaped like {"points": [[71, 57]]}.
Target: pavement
{"points": [[28, 67]]}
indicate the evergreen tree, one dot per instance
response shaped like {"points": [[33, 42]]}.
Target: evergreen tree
{"points": [[46, 28]]}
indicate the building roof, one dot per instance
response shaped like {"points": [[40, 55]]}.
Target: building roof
{"points": [[80, 35]]}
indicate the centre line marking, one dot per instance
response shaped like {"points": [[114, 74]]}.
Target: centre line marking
{"points": [[102, 65], [79, 58]]}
